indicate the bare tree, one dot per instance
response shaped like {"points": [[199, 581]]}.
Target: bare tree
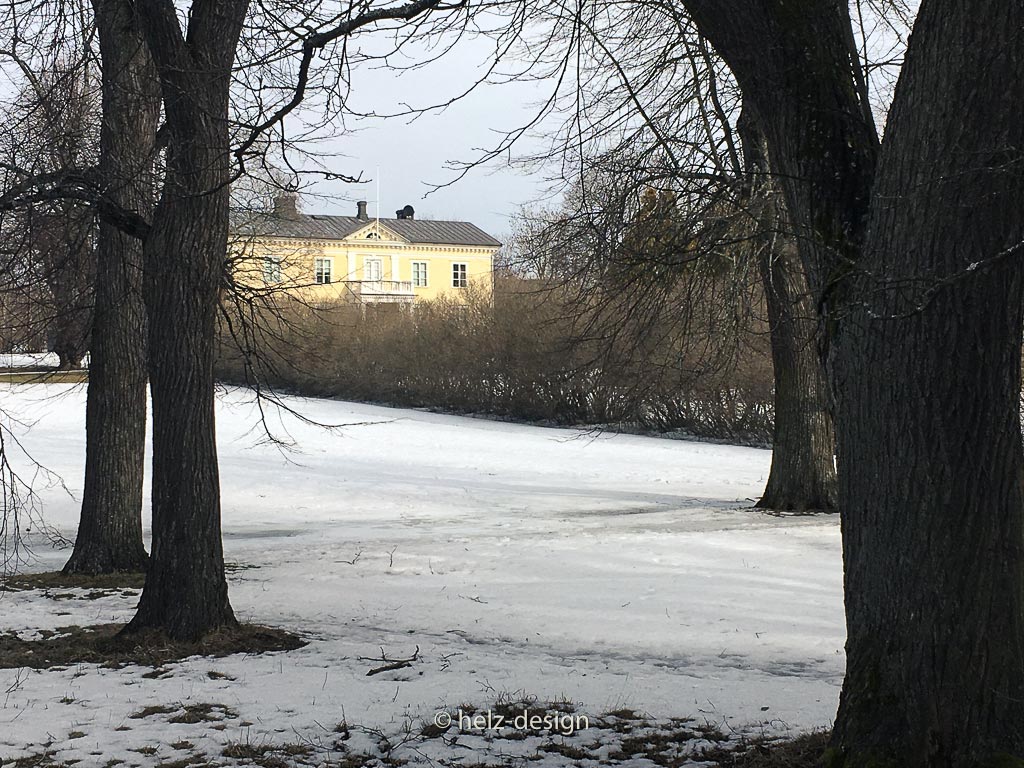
{"points": [[803, 473], [657, 310], [653, 105], [185, 253], [285, 53], [913, 256], [51, 244], [109, 537]]}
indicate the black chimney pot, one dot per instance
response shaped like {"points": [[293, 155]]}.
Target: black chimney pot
{"points": [[406, 213], [361, 211]]}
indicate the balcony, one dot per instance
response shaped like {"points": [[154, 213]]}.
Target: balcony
{"points": [[384, 291]]}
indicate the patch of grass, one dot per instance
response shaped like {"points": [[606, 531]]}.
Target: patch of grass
{"points": [[204, 713], [59, 579], [192, 761], [153, 709], [666, 747], [268, 755], [240, 751], [51, 582], [565, 750], [623, 714], [511, 706], [622, 721], [42, 376], [804, 751], [103, 644], [517, 709], [231, 567], [40, 760]]}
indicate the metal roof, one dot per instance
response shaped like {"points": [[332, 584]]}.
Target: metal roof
{"points": [[317, 227]]}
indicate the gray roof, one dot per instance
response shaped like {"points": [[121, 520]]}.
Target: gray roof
{"points": [[317, 227]]}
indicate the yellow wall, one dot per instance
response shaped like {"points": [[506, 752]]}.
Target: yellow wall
{"points": [[348, 263]]}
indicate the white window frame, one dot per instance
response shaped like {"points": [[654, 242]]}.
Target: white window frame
{"points": [[272, 270], [322, 276], [416, 278], [379, 262], [460, 277]]}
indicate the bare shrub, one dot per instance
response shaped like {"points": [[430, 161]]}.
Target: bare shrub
{"points": [[517, 354]]}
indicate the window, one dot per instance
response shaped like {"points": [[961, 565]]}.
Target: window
{"points": [[322, 271], [271, 269], [373, 270], [459, 276], [419, 274]]}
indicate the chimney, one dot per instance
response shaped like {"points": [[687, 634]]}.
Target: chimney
{"points": [[406, 213], [286, 206], [361, 211]]}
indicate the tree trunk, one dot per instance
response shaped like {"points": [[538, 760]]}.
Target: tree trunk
{"points": [[803, 472], [110, 532], [72, 292], [64, 238], [797, 65], [931, 461], [927, 359], [69, 336], [186, 594]]}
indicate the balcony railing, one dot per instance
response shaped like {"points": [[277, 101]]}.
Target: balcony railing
{"points": [[383, 290]]}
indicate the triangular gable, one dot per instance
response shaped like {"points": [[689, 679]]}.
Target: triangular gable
{"points": [[376, 232]]}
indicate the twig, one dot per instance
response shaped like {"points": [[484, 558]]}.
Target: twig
{"points": [[391, 664]]}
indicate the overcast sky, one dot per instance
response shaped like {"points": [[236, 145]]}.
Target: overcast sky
{"points": [[412, 154]]}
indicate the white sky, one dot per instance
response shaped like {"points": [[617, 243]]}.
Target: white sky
{"points": [[409, 156], [413, 154]]}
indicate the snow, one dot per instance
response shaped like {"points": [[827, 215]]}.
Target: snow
{"points": [[29, 360], [611, 571]]}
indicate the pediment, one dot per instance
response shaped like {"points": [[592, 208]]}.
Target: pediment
{"points": [[376, 232]]}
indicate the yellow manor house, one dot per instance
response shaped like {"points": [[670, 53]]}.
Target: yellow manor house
{"points": [[356, 259]]}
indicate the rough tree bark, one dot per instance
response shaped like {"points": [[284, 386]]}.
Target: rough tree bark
{"points": [[926, 338], [931, 466], [803, 471], [110, 530], [186, 594], [65, 241], [185, 260], [797, 67]]}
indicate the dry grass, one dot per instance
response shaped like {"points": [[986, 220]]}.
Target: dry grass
{"points": [[14, 376], [804, 751], [102, 644], [52, 580]]}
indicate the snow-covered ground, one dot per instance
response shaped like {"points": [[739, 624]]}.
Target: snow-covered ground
{"points": [[612, 571], [31, 360]]}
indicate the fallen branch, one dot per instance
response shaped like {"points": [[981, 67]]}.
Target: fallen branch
{"points": [[391, 664]]}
